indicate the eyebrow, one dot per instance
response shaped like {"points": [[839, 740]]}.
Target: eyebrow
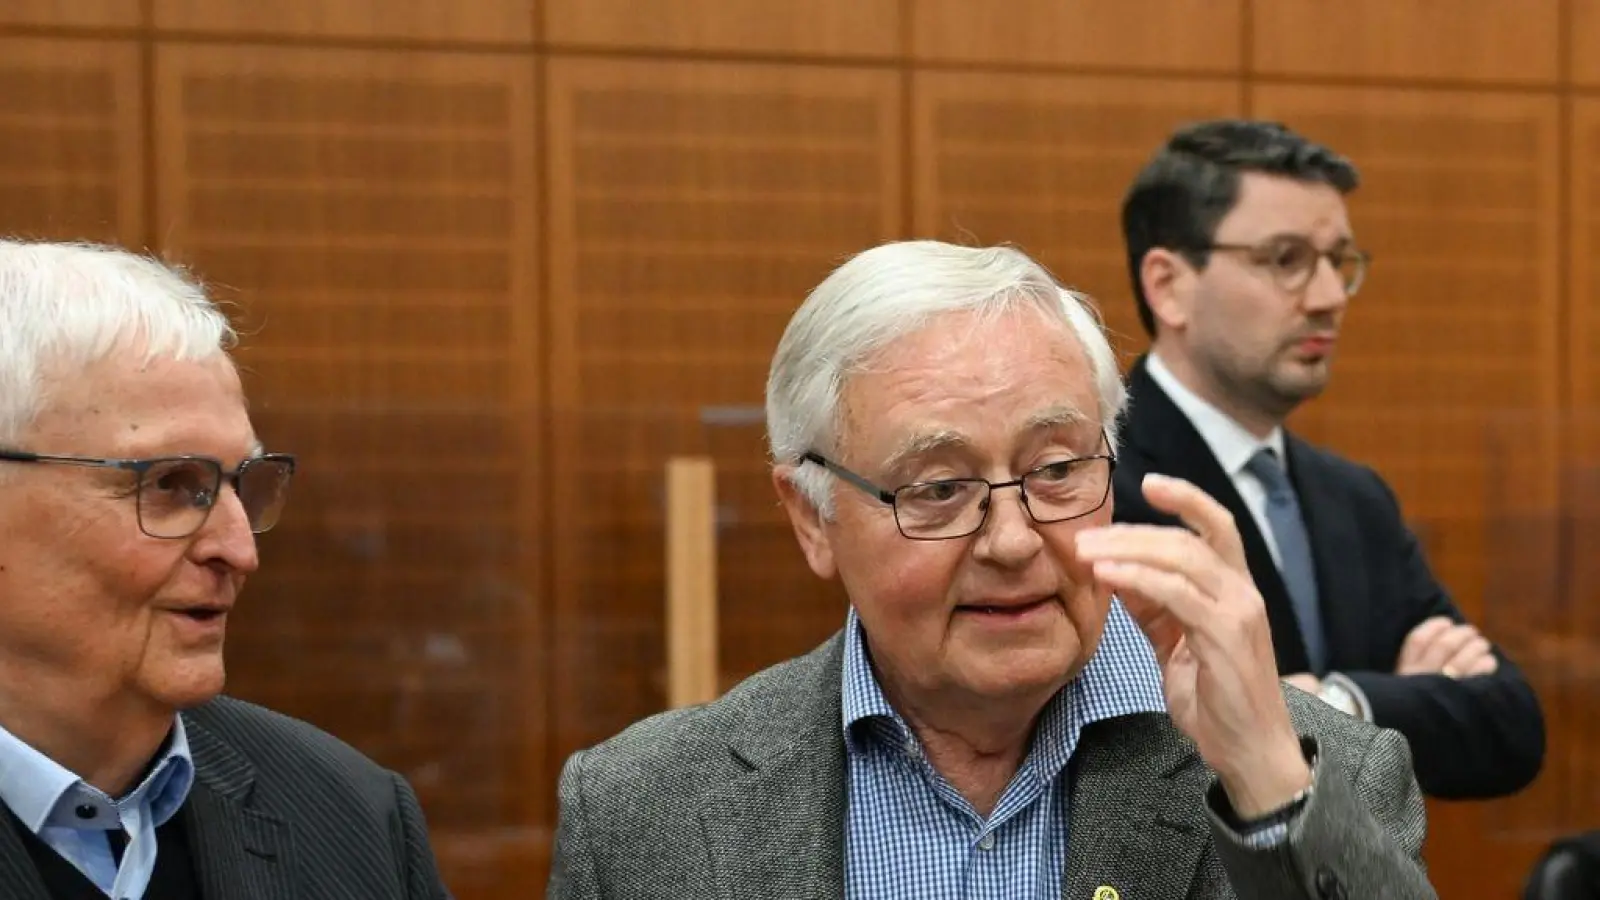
{"points": [[1343, 240], [1064, 415], [1060, 416], [924, 443]]}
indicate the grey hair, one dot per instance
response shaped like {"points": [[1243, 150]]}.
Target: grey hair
{"points": [[65, 306], [890, 292]]}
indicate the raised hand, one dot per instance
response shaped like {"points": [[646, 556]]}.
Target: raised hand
{"points": [[1192, 594]]}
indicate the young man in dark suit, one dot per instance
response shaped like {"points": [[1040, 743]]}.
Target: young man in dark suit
{"points": [[1243, 263]]}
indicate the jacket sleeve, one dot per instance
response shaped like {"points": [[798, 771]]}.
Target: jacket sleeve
{"points": [[421, 868], [1354, 837], [572, 868], [1472, 738]]}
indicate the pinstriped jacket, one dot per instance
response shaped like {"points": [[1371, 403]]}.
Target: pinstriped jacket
{"points": [[282, 811], [744, 798]]}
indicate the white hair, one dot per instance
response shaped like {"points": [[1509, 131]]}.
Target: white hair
{"points": [[65, 306], [890, 292]]}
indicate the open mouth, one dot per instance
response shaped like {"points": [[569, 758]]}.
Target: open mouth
{"points": [[201, 615]]}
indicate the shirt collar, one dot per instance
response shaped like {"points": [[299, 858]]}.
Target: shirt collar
{"points": [[1122, 678], [41, 792], [1230, 443]]}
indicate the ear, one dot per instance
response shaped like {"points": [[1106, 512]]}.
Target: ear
{"points": [[1168, 282], [807, 524]]}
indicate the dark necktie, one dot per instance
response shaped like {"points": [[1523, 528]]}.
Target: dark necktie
{"points": [[1294, 551]]}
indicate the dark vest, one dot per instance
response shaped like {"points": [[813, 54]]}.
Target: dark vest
{"points": [[173, 878]]}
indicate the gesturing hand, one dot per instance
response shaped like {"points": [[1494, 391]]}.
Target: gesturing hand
{"points": [[1192, 595]]}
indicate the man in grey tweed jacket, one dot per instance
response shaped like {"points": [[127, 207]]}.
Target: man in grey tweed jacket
{"points": [[1027, 701]]}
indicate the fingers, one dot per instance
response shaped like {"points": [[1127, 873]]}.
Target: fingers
{"points": [[1444, 648], [1162, 597], [1417, 644], [1210, 519], [1476, 658], [1168, 549]]}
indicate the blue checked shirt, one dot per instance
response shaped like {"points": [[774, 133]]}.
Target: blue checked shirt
{"points": [[73, 817], [909, 834]]}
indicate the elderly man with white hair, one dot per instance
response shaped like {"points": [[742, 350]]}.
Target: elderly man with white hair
{"points": [[1026, 700], [132, 486]]}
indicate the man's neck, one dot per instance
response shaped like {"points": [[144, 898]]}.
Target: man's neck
{"points": [[978, 746], [1252, 419], [109, 744]]}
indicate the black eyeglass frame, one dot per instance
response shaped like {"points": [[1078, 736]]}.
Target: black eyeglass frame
{"points": [[889, 497]]}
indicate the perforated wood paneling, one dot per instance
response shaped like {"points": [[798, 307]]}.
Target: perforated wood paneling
{"points": [[1043, 162], [373, 214], [1472, 40], [692, 207], [509, 21], [71, 13], [1573, 637], [1452, 341], [71, 146], [1140, 34], [822, 27], [1583, 33]]}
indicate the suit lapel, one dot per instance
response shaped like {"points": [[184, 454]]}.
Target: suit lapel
{"points": [[239, 852], [1335, 535], [777, 830], [19, 878], [1137, 816], [1169, 443]]}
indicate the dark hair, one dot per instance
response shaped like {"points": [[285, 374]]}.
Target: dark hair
{"points": [[1192, 183]]}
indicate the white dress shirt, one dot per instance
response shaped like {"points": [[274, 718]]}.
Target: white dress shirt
{"points": [[1230, 443], [1233, 447]]}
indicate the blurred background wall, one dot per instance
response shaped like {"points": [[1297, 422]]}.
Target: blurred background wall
{"points": [[500, 258]]}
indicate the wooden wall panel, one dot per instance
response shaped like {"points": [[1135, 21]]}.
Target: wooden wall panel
{"points": [[1043, 161], [1583, 33], [1140, 34], [497, 21], [1453, 338], [374, 216], [72, 13], [71, 140], [819, 27], [1573, 635], [1466, 40], [692, 207]]}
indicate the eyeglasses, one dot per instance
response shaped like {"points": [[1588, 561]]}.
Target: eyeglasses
{"points": [[175, 494], [957, 507], [1292, 259]]}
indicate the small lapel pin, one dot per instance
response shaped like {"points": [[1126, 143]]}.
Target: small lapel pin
{"points": [[1106, 892]]}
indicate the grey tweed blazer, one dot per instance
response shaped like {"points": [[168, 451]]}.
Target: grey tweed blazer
{"points": [[745, 798], [282, 811]]}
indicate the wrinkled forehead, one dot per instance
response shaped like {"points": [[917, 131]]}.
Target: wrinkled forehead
{"points": [[970, 382], [131, 405]]}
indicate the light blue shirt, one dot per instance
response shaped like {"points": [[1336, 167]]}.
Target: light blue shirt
{"points": [[910, 834], [72, 816]]}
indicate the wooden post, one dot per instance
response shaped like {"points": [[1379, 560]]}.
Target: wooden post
{"points": [[692, 673]]}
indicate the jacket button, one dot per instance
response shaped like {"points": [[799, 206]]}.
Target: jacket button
{"points": [[1329, 887]]}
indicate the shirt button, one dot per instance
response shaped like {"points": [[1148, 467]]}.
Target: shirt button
{"points": [[86, 811], [986, 842]]}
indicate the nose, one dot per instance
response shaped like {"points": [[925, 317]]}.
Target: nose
{"points": [[226, 539], [1009, 536], [1326, 292]]}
